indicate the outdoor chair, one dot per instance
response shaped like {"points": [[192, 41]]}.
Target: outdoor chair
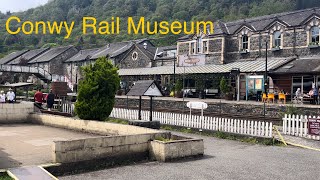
{"points": [[282, 97], [264, 97], [270, 97]]}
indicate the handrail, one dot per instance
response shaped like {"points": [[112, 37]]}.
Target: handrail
{"points": [[27, 69]]}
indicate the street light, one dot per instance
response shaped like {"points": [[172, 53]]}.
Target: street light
{"points": [[159, 55], [265, 78]]}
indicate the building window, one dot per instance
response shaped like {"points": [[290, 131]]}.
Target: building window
{"points": [[314, 35], [277, 39], [205, 46], [199, 42], [245, 42], [134, 56], [193, 48]]}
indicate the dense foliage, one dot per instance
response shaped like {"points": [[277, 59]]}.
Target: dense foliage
{"points": [[97, 90], [153, 10]]}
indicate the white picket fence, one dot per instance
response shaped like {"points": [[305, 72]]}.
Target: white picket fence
{"points": [[237, 126], [297, 125], [66, 108]]}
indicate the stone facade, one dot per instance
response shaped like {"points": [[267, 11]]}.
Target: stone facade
{"points": [[295, 37], [135, 58]]}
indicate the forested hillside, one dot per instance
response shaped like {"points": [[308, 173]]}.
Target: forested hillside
{"points": [[153, 10]]}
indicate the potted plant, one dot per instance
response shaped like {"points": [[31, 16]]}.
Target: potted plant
{"points": [[243, 51], [200, 87], [178, 89], [275, 48], [313, 45], [225, 89]]}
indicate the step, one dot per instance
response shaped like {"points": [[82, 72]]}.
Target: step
{"points": [[30, 173]]}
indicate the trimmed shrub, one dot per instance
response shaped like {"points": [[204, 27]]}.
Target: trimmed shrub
{"points": [[97, 90]]}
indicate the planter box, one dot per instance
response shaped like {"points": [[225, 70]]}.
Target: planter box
{"points": [[276, 49], [313, 46], [177, 148], [243, 52]]}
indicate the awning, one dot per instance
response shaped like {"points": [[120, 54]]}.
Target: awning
{"points": [[244, 66]]}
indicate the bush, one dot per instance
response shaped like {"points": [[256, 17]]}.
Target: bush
{"points": [[224, 87], [97, 90]]}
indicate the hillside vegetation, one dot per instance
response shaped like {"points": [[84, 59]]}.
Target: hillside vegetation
{"points": [[152, 10]]}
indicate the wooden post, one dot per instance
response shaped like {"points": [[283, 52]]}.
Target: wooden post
{"points": [[150, 118], [139, 114]]}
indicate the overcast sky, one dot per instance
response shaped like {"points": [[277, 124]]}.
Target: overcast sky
{"points": [[19, 5]]}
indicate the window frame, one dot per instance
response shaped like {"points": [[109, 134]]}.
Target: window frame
{"points": [[277, 40], [243, 43], [312, 35]]}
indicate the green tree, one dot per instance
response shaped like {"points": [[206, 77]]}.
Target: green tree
{"points": [[97, 90]]}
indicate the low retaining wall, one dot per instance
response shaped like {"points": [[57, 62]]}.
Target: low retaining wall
{"points": [[15, 113], [179, 147], [104, 147], [103, 128]]}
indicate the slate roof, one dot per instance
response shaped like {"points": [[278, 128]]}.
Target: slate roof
{"points": [[163, 49], [149, 52], [28, 56], [82, 55], [116, 48], [50, 54], [303, 65], [12, 56], [290, 19], [244, 66], [140, 87]]}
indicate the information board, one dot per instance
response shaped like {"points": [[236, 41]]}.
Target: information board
{"points": [[314, 126]]}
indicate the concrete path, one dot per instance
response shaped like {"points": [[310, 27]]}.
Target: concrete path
{"points": [[224, 159], [24, 144]]}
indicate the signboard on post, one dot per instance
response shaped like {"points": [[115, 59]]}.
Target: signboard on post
{"points": [[314, 126]]}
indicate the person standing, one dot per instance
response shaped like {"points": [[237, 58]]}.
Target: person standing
{"points": [[10, 96], [315, 95], [38, 98], [50, 100], [2, 97]]}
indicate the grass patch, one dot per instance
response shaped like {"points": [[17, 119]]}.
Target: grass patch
{"points": [[224, 135], [118, 121], [163, 139], [5, 176]]}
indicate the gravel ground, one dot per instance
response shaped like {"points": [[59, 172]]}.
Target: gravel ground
{"points": [[224, 159]]}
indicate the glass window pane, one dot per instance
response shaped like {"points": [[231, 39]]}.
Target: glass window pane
{"points": [[277, 38], [307, 84], [315, 34]]}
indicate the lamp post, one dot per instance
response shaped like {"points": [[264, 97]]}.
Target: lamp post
{"points": [[265, 80], [174, 75]]}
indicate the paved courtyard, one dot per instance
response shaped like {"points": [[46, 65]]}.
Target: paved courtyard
{"points": [[224, 159], [26, 144]]}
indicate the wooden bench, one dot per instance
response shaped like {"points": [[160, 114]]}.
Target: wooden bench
{"points": [[211, 92]]}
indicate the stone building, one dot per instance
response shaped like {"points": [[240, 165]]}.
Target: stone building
{"points": [[52, 60]]}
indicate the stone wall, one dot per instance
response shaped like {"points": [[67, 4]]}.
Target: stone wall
{"points": [[176, 149], [234, 108], [56, 65], [142, 60], [103, 147], [15, 113]]}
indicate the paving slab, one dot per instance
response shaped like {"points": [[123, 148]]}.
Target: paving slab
{"points": [[223, 159], [28, 144]]}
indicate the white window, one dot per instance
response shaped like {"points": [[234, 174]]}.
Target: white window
{"points": [[199, 42], [245, 43], [205, 46], [193, 48], [277, 39], [314, 35]]}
